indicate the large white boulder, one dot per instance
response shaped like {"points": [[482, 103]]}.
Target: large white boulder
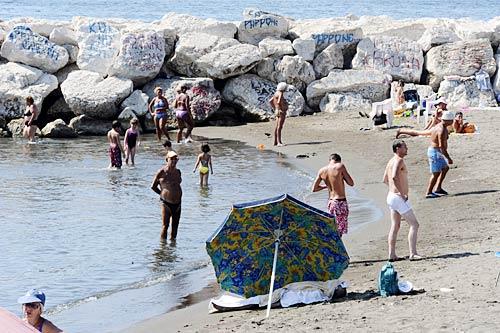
{"points": [[87, 93], [99, 44], [140, 57], [376, 26], [370, 84], [401, 58], [183, 23], [40, 26], [137, 102], [252, 93], [438, 34], [292, 70], [205, 99], [275, 47], [85, 125], [464, 92], [462, 58], [27, 47], [63, 35], [348, 102], [58, 129], [327, 60], [468, 29], [258, 24], [20, 81], [207, 55], [306, 48], [232, 61], [192, 46], [345, 33]]}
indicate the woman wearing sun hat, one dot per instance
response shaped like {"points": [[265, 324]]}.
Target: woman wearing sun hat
{"points": [[33, 303]]}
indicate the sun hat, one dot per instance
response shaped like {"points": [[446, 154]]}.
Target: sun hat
{"points": [[405, 286], [440, 100], [281, 86], [32, 296], [171, 154], [448, 115]]}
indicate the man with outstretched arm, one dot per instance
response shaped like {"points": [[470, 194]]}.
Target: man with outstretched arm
{"points": [[396, 177]]}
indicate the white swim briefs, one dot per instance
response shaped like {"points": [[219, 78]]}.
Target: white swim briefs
{"points": [[397, 203]]}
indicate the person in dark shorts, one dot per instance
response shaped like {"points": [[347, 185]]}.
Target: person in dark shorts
{"points": [[115, 149], [167, 183]]}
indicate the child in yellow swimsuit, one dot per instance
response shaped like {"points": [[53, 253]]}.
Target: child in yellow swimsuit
{"points": [[204, 160]]}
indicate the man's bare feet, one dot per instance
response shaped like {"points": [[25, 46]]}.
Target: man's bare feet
{"points": [[393, 259]]}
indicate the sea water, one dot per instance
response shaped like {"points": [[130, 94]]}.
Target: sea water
{"points": [[231, 10], [89, 236]]}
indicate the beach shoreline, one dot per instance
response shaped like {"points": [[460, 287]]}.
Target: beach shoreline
{"points": [[449, 254]]}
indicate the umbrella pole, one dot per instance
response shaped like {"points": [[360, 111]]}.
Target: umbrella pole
{"points": [[269, 301]]}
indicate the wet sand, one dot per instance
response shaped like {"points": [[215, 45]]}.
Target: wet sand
{"points": [[458, 234]]}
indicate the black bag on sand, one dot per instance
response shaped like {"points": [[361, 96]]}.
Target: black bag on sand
{"points": [[380, 119]]}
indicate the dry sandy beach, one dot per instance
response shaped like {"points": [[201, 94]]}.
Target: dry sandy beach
{"points": [[458, 234]]}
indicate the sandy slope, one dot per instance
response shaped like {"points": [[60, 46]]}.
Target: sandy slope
{"points": [[458, 233]]}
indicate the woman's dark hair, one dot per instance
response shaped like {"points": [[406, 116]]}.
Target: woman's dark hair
{"points": [[29, 100], [205, 148], [116, 124]]}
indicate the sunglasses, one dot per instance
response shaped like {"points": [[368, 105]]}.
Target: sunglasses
{"points": [[32, 305]]}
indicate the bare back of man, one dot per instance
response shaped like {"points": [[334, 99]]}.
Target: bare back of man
{"points": [[333, 176]]}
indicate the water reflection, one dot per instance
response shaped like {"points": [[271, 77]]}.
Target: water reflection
{"points": [[164, 255]]}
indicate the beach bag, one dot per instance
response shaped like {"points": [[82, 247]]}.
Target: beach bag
{"points": [[379, 119], [388, 281]]}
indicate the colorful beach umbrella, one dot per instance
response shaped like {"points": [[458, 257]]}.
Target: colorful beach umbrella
{"points": [[10, 323], [270, 243]]}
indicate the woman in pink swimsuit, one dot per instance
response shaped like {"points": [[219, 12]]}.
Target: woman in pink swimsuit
{"points": [[183, 113]]}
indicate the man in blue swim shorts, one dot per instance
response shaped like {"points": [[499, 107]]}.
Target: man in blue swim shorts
{"points": [[439, 159]]}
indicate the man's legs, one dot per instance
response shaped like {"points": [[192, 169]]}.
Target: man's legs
{"points": [[432, 182], [176, 216], [165, 216], [393, 234], [412, 233], [440, 179]]}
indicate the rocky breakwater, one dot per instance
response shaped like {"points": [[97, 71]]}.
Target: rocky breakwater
{"points": [[87, 72]]}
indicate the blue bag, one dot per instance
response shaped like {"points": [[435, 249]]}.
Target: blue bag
{"points": [[388, 281]]}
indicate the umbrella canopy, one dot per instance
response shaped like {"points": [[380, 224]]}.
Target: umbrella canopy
{"points": [[10, 323], [243, 247]]}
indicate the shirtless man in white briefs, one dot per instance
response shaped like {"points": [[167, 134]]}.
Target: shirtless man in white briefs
{"points": [[396, 177]]}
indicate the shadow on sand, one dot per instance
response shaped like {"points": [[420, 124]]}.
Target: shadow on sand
{"points": [[474, 192], [441, 256]]}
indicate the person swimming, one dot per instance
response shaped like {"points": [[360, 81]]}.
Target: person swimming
{"points": [[204, 161]]}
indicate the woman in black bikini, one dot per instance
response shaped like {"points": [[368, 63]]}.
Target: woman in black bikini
{"points": [[30, 119], [183, 113]]}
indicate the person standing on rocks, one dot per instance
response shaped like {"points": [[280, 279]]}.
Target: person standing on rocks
{"points": [[439, 159], [158, 108], [167, 183], [30, 119], [334, 175], [396, 177], [183, 113], [115, 149], [280, 107]]}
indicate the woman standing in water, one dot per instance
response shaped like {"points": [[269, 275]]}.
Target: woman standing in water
{"points": [[30, 119], [158, 108], [183, 113], [33, 303]]}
